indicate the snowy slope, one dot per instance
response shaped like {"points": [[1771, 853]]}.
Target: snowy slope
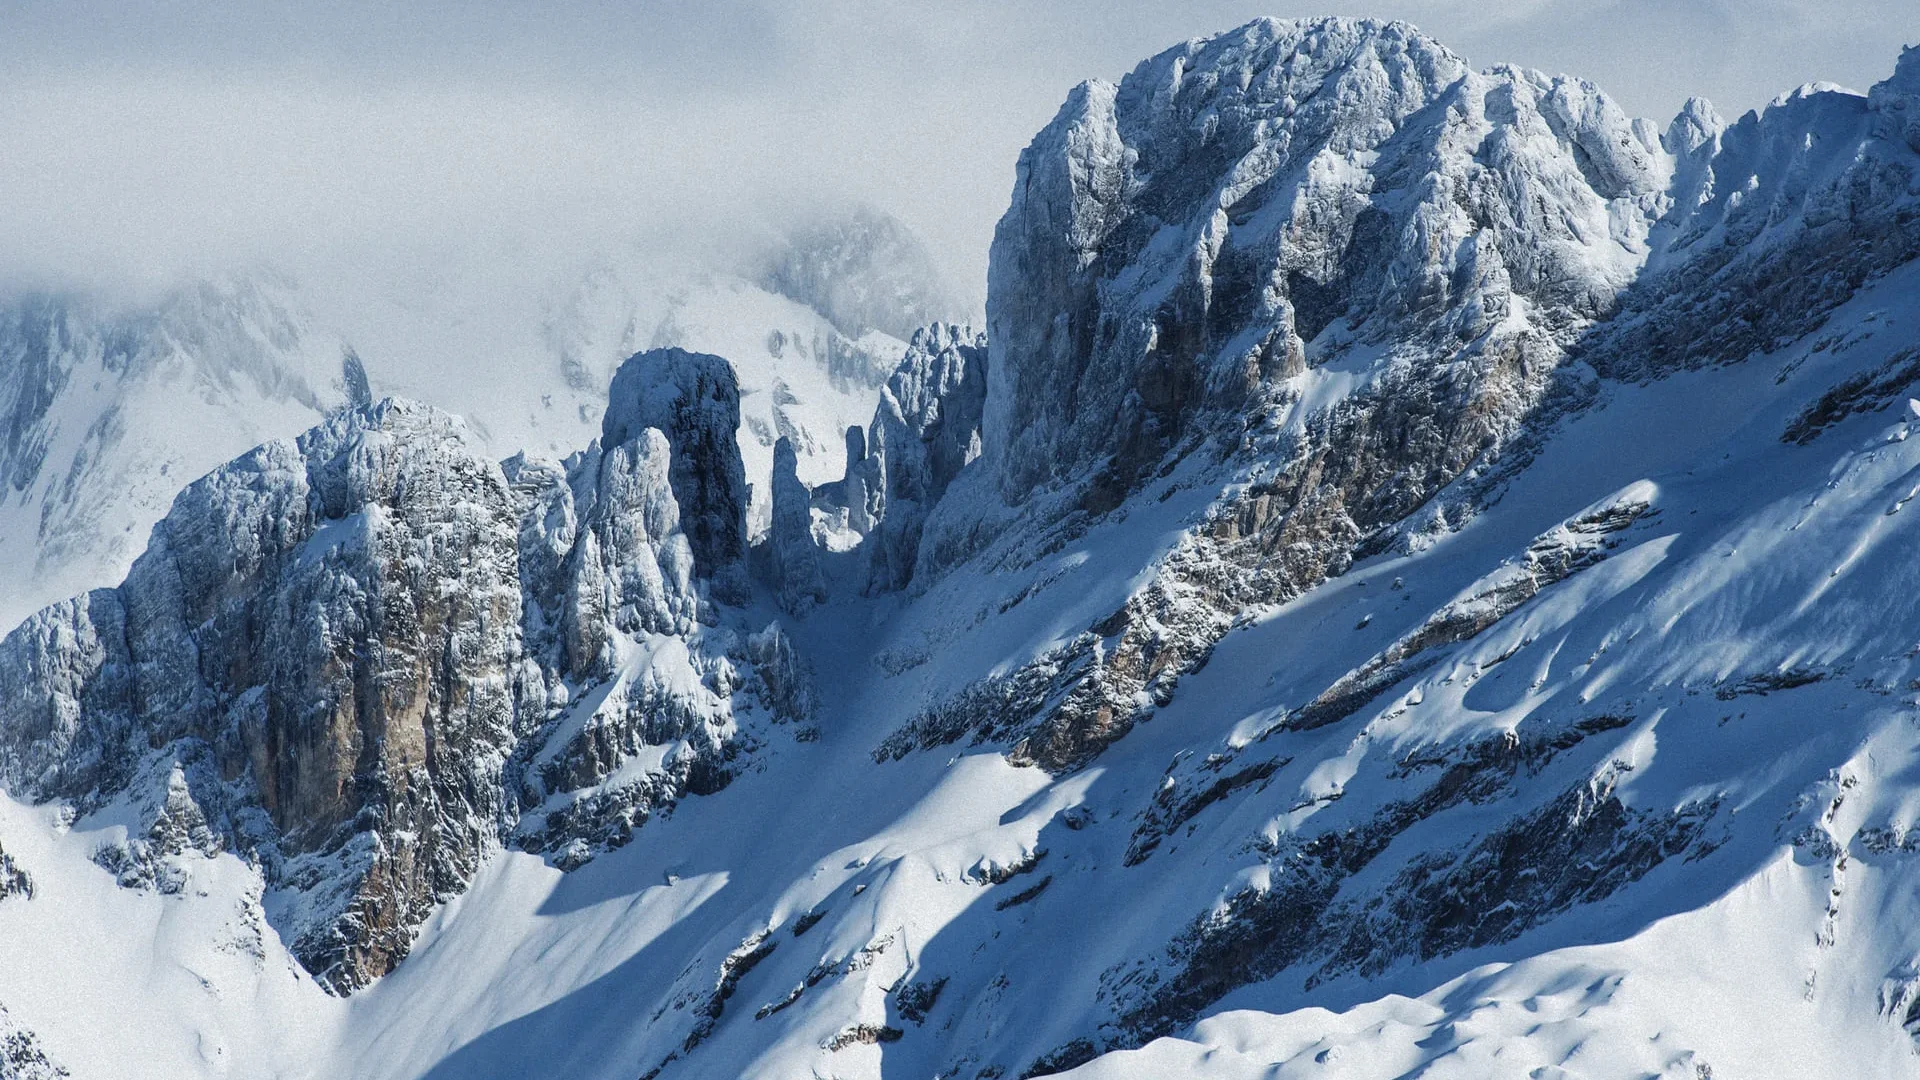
{"points": [[1514, 676], [531, 966]]}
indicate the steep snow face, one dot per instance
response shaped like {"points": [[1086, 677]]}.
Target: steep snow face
{"points": [[106, 411], [1423, 700]]}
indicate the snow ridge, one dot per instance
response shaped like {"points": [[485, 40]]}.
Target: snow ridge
{"points": [[1413, 580]]}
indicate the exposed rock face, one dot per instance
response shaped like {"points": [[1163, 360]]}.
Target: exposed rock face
{"points": [[1176, 243], [785, 683], [1330, 253], [14, 881], [860, 492], [1578, 847], [693, 399], [632, 567], [335, 619], [1356, 271], [863, 489], [792, 554], [332, 648], [21, 1057], [925, 430], [1896, 102]]}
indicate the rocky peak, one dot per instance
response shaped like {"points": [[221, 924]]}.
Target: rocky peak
{"points": [[1897, 101], [1325, 258], [924, 431], [631, 570], [1695, 127], [793, 556], [694, 400], [357, 658], [1176, 244], [327, 619]]}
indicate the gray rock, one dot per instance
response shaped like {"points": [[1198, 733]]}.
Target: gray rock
{"points": [[631, 569], [343, 656], [925, 430], [793, 556], [694, 400]]}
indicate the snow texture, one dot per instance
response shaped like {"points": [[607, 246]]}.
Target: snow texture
{"points": [[1414, 582]]}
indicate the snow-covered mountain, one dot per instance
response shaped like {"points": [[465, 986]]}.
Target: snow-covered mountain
{"points": [[108, 409], [111, 407], [1411, 582]]}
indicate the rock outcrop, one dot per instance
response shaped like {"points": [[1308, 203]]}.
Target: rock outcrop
{"points": [[359, 659], [1325, 254], [14, 881], [1357, 274], [693, 399], [337, 620], [21, 1055], [1177, 243], [793, 556], [631, 569], [925, 430]]}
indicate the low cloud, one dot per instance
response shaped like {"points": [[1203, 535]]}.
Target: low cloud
{"points": [[148, 141]]}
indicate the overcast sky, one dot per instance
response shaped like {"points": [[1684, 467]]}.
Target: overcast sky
{"points": [[141, 140]]}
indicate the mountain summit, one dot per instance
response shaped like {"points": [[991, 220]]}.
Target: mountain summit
{"points": [[1411, 579]]}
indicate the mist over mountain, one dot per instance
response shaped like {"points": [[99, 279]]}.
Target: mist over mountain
{"points": [[864, 272], [114, 404], [1406, 576]]}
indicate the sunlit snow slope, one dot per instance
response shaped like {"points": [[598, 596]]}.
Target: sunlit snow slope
{"points": [[1779, 943], [1424, 589]]}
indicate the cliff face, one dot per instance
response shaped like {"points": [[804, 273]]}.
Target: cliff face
{"points": [[1495, 504], [335, 640], [333, 625], [694, 400], [926, 429], [1364, 282], [1293, 196]]}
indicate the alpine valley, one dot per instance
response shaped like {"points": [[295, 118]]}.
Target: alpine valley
{"points": [[1410, 580]]}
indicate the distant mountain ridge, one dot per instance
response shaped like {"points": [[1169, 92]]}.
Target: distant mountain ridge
{"points": [[109, 408]]}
